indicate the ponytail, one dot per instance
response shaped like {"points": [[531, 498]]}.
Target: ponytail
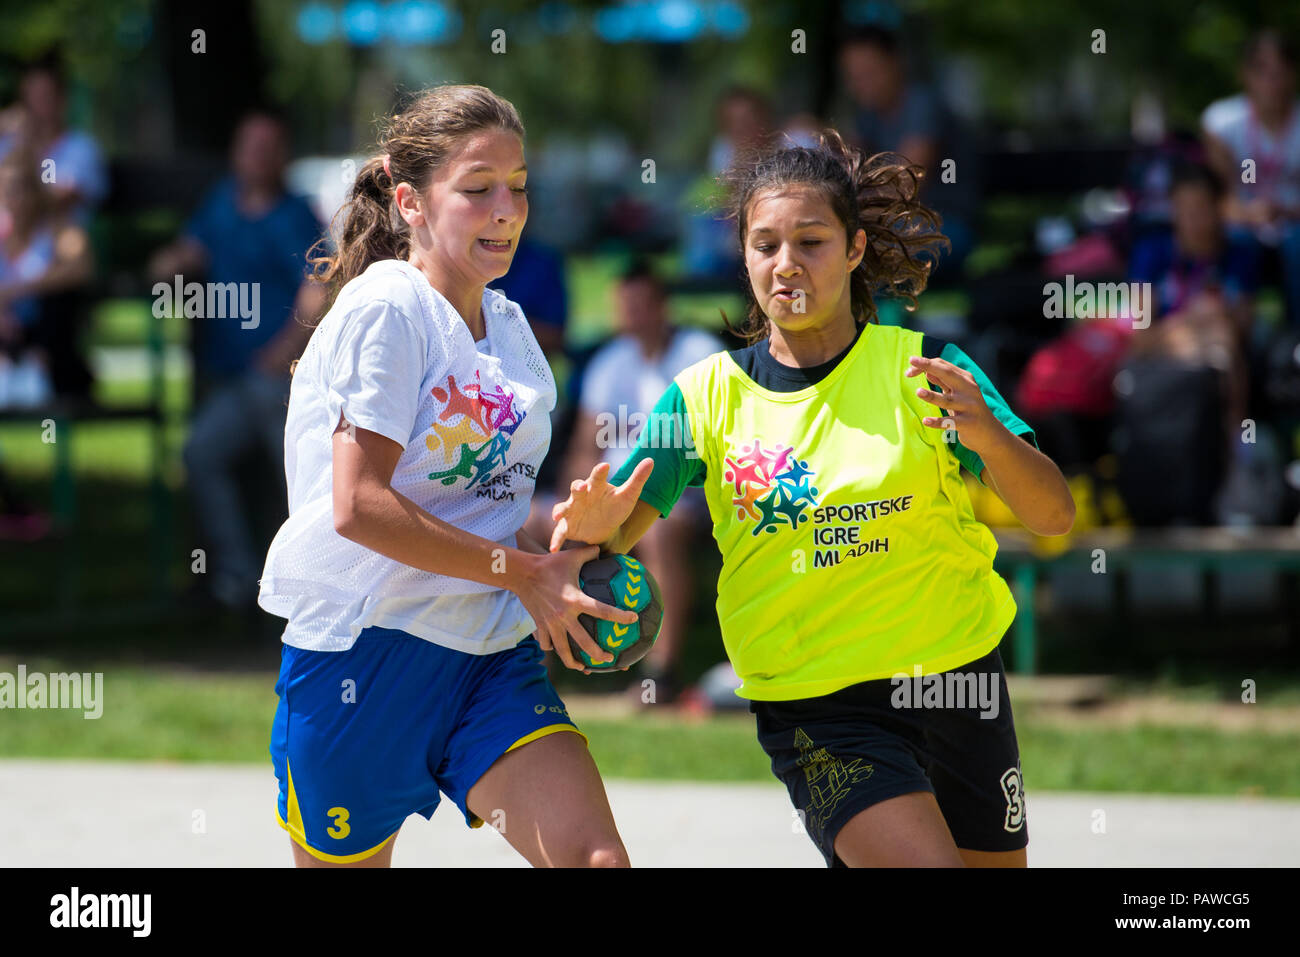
{"points": [[415, 142]]}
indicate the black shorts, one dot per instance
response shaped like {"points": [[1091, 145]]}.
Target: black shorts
{"points": [[838, 754]]}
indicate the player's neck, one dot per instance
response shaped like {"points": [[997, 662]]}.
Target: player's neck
{"points": [[465, 297], [470, 309], [814, 346]]}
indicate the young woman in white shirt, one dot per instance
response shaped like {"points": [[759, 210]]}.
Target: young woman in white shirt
{"points": [[418, 416]]}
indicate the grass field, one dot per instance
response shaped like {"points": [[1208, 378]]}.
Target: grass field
{"points": [[152, 713]]}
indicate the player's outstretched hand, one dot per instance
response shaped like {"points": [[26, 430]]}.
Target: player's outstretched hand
{"points": [[595, 509], [550, 594]]}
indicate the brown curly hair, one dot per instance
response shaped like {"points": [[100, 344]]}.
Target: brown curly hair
{"points": [[877, 194]]}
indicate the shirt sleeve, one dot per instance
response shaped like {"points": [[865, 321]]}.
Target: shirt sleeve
{"points": [[377, 369], [85, 168], [1220, 116], [666, 438], [933, 348]]}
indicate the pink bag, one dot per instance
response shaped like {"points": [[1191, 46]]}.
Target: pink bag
{"points": [[1075, 373]]}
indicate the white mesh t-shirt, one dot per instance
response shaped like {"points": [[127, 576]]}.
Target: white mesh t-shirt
{"points": [[393, 356]]}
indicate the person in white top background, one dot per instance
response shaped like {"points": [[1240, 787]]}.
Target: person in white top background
{"points": [[1252, 142], [621, 384], [418, 416], [71, 162]]}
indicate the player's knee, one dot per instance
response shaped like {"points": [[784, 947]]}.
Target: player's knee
{"points": [[606, 854]]}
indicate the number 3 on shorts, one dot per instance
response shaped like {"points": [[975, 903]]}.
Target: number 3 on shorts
{"points": [[341, 829], [1014, 791]]}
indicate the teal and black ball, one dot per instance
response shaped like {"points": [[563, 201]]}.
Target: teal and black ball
{"points": [[623, 582]]}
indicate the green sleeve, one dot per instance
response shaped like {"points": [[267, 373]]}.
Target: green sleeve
{"points": [[666, 438], [933, 348]]}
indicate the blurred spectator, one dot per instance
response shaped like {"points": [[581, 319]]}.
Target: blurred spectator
{"points": [[42, 254], [76, 173], [1203, 285], [1183, 387], [1262, 126], [248, 231], [893, 113], [626, 377], [743, 120], [1148, 178]]}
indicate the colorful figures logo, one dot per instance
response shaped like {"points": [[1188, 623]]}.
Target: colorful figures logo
{"points": [[473, 430], [771, 486]]}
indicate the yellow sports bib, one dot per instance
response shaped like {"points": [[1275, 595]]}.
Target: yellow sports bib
{"points": [[850, 550]]}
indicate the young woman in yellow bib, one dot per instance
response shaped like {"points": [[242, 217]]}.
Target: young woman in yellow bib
{"points": [[857, 599]]}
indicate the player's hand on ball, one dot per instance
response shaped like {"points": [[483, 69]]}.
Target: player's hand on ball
{"points": [[622, 581], [550, 593], [595, 509], [961, 402]]}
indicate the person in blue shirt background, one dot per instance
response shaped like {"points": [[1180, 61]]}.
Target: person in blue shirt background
{"points": [[250, 231], [1203, 284], [894, 112], [1197, 255]]}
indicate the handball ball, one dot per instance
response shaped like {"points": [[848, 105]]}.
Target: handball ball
{"points": [[623, 582]]}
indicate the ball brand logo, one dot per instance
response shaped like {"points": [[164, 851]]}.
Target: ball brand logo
{"points": [[473, 430], [771, 486], [631, 589], [626, 584]]}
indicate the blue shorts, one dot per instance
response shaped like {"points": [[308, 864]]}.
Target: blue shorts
{"points": [[366, 737]]}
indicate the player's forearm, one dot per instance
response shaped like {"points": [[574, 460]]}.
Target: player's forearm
{"points": [[619, 543], [1030, 484], [631, 531], [388, 522]]}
